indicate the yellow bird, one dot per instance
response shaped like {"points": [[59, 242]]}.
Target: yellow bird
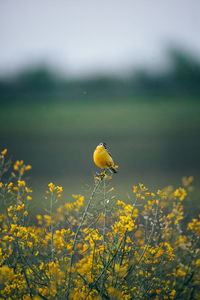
{"points": [[102, 158]]}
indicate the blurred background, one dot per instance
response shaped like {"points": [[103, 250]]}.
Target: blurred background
{"points": [[76, 73]]}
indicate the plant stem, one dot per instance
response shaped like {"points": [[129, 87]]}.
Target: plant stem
{"points": [[52, 229], [105, 214], [77, 233], [104, 235]]}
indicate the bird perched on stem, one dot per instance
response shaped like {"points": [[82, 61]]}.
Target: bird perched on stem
{"points": [[103, 159]]}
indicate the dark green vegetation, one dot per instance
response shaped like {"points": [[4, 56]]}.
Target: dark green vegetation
{"points": [[40, 83]]}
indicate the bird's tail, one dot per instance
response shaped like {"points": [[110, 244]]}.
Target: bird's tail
{"points": [[113, 169]]}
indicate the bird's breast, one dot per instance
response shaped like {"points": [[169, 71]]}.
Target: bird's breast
{"points": [[102, 159]]}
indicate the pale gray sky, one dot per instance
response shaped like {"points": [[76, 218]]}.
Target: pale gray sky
{"points": [[83, 36]]}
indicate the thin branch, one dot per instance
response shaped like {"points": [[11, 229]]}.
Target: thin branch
{"points": [[77, 233]]}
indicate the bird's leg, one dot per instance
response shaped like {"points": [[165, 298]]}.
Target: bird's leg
{"points": [[102, 174], [111, 171]]}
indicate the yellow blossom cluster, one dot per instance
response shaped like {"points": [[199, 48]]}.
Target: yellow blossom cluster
{"points": [[181, 193], [195, 225], [97, 247], [21, 167], [3, 153], [55, 189]]}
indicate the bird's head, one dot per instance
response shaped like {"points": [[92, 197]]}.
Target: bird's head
{"points": [[103, 144]]}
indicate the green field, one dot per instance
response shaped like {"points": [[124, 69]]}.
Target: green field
{"points": [[155, 142]]}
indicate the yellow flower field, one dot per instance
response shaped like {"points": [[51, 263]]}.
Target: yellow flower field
{"points": [[97, 247]]}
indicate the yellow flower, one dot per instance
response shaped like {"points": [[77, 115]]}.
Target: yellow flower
{"points": [[141, 272], [197, 262], [6, 271], [18, 164], [141, 185], [41, 267], [181, 193], [194, 225], [1, 184], [135, 213], [173, 292], [63, 232], [28, 198], [51, 187], [180, 273], [28, 190], [59, 189], [25, 213], [69, 206], [22, 171], [171, 215], [28, 167], [39, 218], [117, 267], [121, 203], [48, 220], [29, 244], [169, 251], [8, 238], [21, 183], [128, 240], [135, 189], [80, 201], [159, 192], [10, 185], [159, 253], [20, 207], [128, 208], [13, 227], [10, 208], [3, 153]]}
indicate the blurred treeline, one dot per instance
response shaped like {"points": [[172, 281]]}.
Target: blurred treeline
{"points": [[41, 83]]}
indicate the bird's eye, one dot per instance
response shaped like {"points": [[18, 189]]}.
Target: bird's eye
{"points": [[101, 144]]}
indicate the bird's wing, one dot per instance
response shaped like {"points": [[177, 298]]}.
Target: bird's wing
{"points": [[108, 150], [109, 153]]}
